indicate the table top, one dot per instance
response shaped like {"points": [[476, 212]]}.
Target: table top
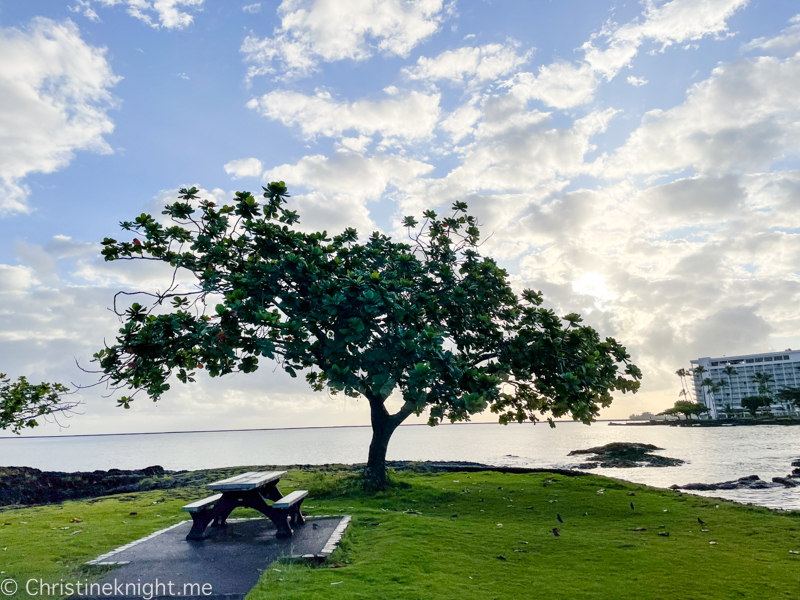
{"points": [[246, 481]]}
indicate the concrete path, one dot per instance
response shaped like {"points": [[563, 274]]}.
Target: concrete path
{"points": [[227, 564]]}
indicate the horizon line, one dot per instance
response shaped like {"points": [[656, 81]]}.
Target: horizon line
{"points": [[30, 437]]}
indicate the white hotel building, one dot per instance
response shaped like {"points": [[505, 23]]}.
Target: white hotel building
{"points": [[734, 377]]}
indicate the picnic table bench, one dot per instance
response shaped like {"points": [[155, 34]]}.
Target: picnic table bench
{"points": [[248, 490]]}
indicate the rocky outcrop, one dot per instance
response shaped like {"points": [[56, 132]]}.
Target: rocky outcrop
{"points": [[24, 485], [626, 455], [751, 482]]}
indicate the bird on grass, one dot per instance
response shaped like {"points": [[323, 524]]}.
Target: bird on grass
{"points": [[699, 520], [555, 532], [558, 516], [632, 506]]}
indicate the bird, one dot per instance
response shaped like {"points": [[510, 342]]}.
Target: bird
{"points": [[699, 520], [632, 506], [558, 516], [555, 532]]}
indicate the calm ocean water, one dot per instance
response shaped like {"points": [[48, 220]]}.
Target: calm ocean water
{"points": [[713, 454]]}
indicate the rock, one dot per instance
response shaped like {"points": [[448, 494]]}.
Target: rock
{"points": [[796, 463], [751, 482], [25, 485], [787, 481], [626, 455]]}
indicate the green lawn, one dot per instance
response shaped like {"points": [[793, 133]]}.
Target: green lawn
{"points": [[457, 535]]}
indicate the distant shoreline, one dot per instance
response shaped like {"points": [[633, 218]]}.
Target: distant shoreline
{"points": [[708, 423], [32, 437]]}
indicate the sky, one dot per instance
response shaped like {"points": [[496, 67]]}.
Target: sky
{"points": [[637, 162]]}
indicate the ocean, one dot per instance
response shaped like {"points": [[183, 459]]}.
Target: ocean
{"points": [[713, 454]]}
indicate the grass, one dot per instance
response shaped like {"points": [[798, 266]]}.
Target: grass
{"points": [[458, 535]]}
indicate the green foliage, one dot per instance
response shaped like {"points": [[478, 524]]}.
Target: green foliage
{"points": [[22, 403], [763, 380], [431, 318], [686, 408], [790, 395], [752, 403]]}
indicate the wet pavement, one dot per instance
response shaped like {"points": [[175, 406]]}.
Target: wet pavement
{"points": [[228, 563]]}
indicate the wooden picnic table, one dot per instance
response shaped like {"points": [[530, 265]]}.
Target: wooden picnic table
{"points": [[248, 490]]}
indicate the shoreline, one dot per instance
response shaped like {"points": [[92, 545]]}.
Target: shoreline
{"points": [[709, 423]]}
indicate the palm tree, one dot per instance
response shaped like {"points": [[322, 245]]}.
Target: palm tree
{"points": [[683, 373], [717, 387], [730, 372], [763, 380], [707, 383], [698, 373]]}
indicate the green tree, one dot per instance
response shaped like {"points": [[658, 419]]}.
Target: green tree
{"points": [[682, 373], [430, 319], [752, 403], [698, 375], [22, 403], [687, 408], [763, 380], [729, 372], [790, 395]]}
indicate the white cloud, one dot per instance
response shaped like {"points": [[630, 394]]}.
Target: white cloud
{"points": [[481, 63], [244, 167], [787, 43], [409, 117], [350, 174], [88, 11], [637, 81], [15, 279], [560, 84], [252, 8], [330, 31], [746, 113], [167, 13], [564, 85], [54, 90]]}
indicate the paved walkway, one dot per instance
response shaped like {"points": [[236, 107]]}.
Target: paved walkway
{"points": [[226, 564]]}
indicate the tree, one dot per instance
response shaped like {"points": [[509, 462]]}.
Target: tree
{"points": [[698, 374], [790, 395], [763, 380], [688, 409], [752, 403], [706, 384], [22, 403], [729, 372], [431, 319], [682, 374]]}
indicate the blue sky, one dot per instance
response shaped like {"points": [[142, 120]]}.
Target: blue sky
{"points": [[636, 161]]}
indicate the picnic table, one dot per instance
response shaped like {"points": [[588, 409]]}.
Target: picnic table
{"points": [[248, 490]]}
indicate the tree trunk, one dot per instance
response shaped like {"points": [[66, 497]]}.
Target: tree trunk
{"points": [[383, 426]]}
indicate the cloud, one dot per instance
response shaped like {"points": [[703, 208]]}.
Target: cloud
{"points": [[252, 8], [560, 84], [411, 116], [311, 32], [637, 81], [88, 11], [55, 91], [244, 167], [563, 84], [785, 44], [350, 174], [483, 63], [745, 114], [167, 12]]}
